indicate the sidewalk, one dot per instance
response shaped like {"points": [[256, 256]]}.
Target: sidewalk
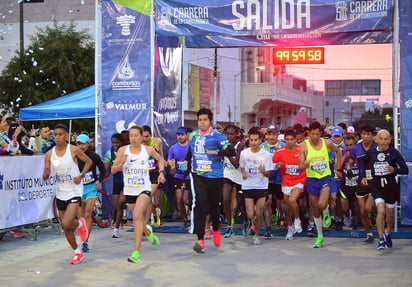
{"points": [[277, 262]]}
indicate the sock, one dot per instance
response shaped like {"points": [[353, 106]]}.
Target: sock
{"points": [[232, 222], [369, 233], [77, 250], [326, 210], [319, 226]]}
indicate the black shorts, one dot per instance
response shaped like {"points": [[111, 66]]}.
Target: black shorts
{"points": [[255, 194], [348, 192], [388, 189], [132, 198], [177, 183], [153, 177], [62, 204], [363, 190], [117, 187], [276, 189], [233, 184]]}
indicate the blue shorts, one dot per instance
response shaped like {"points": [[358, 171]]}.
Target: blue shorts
{"points": [[334, 186], [314, 185], [89, 191]]}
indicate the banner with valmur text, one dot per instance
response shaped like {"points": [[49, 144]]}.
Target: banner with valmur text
{"points": [[126, 70], [25, 197], [230, 23]]}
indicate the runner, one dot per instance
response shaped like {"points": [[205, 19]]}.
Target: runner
{"points": [[384, 163], [315, 159], [91, 183], [63, 159], [206, 149], [134, 160], [256, 164], [293, 181]]}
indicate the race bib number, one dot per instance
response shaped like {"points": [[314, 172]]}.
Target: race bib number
{"points": [[253, 171], [88, 178], [203, 165], [135, 181], [292, 169], [229, 166], [152, 164], [318, 166], [181, 166], [380, 168]]}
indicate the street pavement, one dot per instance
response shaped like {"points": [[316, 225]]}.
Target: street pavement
{"points": [[277, 262]]}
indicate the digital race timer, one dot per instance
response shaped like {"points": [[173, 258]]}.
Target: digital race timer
{"points": [[298, 55]]}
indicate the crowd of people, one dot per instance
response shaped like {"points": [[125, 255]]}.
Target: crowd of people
{"points": [[301, 178]]}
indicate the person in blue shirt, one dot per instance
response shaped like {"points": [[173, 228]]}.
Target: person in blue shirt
{"points": [[207, 147], [384, 163]]}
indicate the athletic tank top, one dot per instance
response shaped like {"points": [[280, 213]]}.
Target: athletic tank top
{"points": [[65, 170], [230, 172], [318, 161], [136, 177]]}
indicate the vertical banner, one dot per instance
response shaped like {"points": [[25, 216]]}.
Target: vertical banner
{"points": [[405, 88], [167, 95], [126, 70]]}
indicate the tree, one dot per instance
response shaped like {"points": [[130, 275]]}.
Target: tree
{"points": [[59, 61], [376, 118]]}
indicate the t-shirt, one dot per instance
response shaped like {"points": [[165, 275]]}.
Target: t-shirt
{"points": [[291, 174], [251, 161], [178, 153]]}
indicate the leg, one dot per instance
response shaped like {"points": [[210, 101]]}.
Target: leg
{"points": [[88, 207], [69, 223], [260, 204], [139, 218], [227, 202], [179, 203]]}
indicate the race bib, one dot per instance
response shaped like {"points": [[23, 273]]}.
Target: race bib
{"points": [[135, 181], [380, 168], [292, 169], [318, 166], [203, 165]]}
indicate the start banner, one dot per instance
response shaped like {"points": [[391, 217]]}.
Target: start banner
{"points": [[232, 23], [25, 197]]}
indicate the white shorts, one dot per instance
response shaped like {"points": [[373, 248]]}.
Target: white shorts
{"points": [[287, 190]]}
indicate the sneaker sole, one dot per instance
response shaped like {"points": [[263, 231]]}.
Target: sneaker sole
{"points": [[198, 248], [132, 260]]}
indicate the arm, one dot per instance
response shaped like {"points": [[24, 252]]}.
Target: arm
{"points": [[119, 161], [87, 163], [161, 163], [303, 151], [235, 160], [46, 172], [338, 163]]}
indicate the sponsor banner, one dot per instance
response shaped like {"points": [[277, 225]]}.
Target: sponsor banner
{"points": [[405, 104], [274, 21], [25, 196], [167, 96], [126, 77]]}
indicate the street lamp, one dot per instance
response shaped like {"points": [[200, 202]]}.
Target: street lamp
{"points": [[257, 68]]}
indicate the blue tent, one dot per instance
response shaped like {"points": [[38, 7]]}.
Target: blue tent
{"points": [[77, 105]]}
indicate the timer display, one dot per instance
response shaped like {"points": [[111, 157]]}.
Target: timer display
{"points": [[298, 55]]}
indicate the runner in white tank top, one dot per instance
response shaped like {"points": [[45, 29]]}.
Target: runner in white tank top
{"points": [[69, 188], [134, 160]]}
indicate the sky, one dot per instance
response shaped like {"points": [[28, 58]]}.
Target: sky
{"points": [[350, 62]]}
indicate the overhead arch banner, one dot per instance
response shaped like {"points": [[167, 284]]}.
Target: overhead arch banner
{"points": [[275, 22]]}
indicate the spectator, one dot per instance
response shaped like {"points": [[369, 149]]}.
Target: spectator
{"points": [[9, 145], [41, 142]]}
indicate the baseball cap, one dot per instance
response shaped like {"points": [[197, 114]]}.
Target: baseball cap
{"points": [[181, 130], [82, 138], [272, 129], [337, 131], [351, 129]]}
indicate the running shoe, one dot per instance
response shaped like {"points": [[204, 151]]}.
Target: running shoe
{"points": [[381, 244], [135, 257], [187, 224], [311, 231], [318, 242], [291, 231], [274, 218], [207, 234], [157, 222], [116, 233], [268, 234], [256, 240], [298, 225], [347, 221], [327, 220], [154, 240], [199, 246], [246, 227], [85, 247], [16, 234], [388, 240], [252, 230], [338, 226], [229, 232], [217, 240], [77, 258], [369, 239], [82, 229], [354, 233]]}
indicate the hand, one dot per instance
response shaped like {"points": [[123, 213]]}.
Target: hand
{"points": [[77, 179], [364, 181], [98, 185], [161, 178], [212, 152]]}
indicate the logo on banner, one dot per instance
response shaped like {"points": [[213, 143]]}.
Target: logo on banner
{"points": [[120, 126], [125, 21], [165, 16], [189, 15], [125, 73], [126, 106], [364, 9], [408, 104]]}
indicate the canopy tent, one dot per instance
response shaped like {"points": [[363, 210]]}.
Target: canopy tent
{"points": [[77, 105]]}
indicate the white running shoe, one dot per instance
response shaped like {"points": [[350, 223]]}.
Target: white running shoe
{"points": [[116, 233], [298, 226], [291, 231]]}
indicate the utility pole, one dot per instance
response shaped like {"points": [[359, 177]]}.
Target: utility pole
{"points": [[215, 88], [21, 28]]}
